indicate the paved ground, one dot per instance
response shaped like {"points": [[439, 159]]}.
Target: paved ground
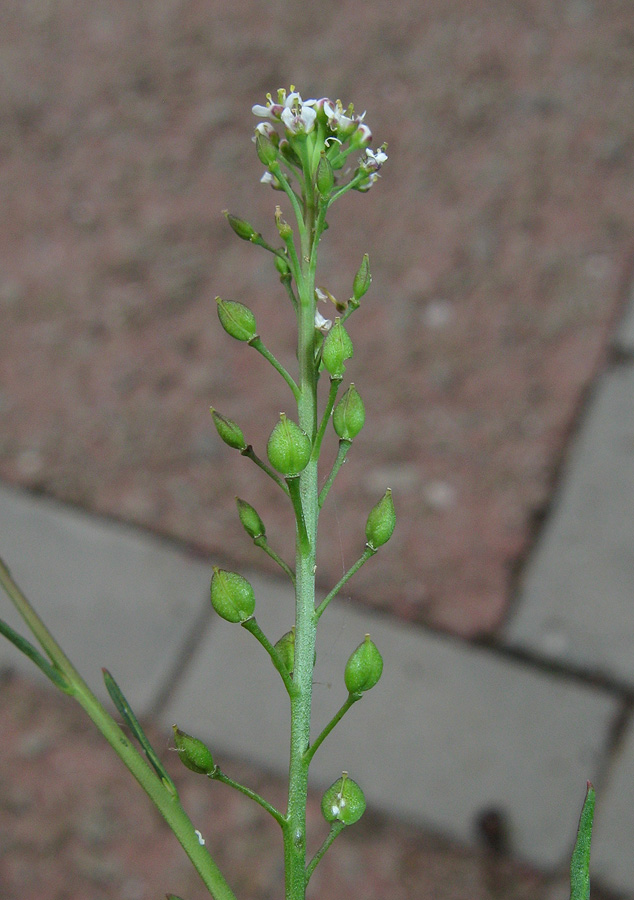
{"points": [[492, 359]]}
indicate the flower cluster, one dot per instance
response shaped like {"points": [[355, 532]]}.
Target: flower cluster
{"points": [[310, 130]]}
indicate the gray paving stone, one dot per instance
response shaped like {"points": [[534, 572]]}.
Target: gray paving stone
{"points": [[110, 595], [612, 859], [448, 731], [576, 604]]}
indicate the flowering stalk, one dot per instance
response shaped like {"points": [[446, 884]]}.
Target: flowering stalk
{"points": [[314, 152]]}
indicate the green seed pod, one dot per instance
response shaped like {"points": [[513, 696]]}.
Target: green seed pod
{"points": [[193, 753], [288, 448], [243, 229], [286, 649], [229, 431], [343, 801], [381, 522], [362, 279], [236, 319], [231, 596], [364, 667], [265, 148], [251, 521], [337, 348], [325, 179], [349, 415], [281, 265]]}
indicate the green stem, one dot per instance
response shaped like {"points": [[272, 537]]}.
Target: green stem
{"points": [[256, 342], [335, 381], [250, 453], [252, 626], [166, 802], [365, 556], [335, 829], [263, 544], [217, 775], [344, 446], [338, 716]]}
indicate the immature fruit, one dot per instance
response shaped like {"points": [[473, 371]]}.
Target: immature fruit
{"points": [[343, 801], [337, 349], [286, 650], [349, 415], [251, 521], [362, 279], [231, 596], [325, 177], [193, 753], [381, 522], [236, 319], [364, 667], [243, 229], [288, 448], [229, 431]]}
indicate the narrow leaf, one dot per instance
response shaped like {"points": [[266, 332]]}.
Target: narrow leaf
{"points": [[133, 724], [580, 863], [58, 679]]}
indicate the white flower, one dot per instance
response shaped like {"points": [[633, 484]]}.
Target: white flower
{"points": [[375, 158], [322, 324], [298, 115], [267, 178], [337, 120]]}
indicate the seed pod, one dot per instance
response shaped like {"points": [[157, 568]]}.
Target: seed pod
{"points": [[337, 348], [193, 753], [236, 319], [325, 179], [281, 265], [265, 148], [343, 801], [243, 229], [364, 667], [362, 279], [229, 431], [381, 521], [231, 596], [286, 649], [288, 448], [349, 415], [251, 521]]}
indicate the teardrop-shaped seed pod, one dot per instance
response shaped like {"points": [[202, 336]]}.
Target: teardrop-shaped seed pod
{"points": [[236, 319], [285, 647], [364, 667], [343, 801], [231, 596], [193, 753], [337, 349], [288, 447], [229, 431], [348, 417], [381, 522], [362, 279], [251, 521]]}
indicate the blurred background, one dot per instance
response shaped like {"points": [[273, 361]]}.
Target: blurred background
{"points": [[500, 241]]}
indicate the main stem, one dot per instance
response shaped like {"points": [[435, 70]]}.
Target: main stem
{"points": [[305, 619]]}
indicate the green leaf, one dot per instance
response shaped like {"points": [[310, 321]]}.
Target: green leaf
{"points": [[58, 679], [580, 862], [119, 700]]}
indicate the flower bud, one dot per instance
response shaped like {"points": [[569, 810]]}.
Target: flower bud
{"points": [[381, 521], [193, 753], [265, 148], [243, 229], [343, 801], [337, 348], [236, 319], [364, 667], [288, 448], [325, 179], [362, 279], [286, 649], [349, 415], [231, 596], [229, 431], [251, 521]]}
